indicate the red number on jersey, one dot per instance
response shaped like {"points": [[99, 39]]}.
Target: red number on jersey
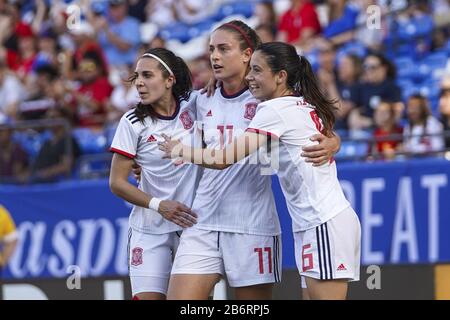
{"points": [[315, 118], [307, 259], [261, 260], [222, 133]]}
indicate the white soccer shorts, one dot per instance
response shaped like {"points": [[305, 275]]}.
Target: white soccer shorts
{"points": [[331, 250], [245, 259], [150, 260]]}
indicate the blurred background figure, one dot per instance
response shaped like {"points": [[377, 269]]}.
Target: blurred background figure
{"points": [[8, 237], [444, 109], [14, 161], [11, 91], [57, 157], [90, 98], [266, 17], [423, 132], [299, 24], [387, 132], [118, 34], [378, 83]]}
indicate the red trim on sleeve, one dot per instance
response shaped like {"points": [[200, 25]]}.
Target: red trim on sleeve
{"points": [[126, 154], [259, 131]]}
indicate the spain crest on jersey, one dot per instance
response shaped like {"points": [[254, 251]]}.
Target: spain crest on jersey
{"points": [[250, 110], [136, 256], [186, 119]]}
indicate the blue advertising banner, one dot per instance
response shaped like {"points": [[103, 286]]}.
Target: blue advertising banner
{"points": [[404, 209]]}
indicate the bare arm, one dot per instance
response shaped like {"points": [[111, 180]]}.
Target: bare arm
{"points": [[242, 146], [119, 185]]}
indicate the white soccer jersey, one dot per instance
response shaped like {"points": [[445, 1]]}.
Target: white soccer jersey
{"points": [[313, 194], [238, 199], [162, 178]]}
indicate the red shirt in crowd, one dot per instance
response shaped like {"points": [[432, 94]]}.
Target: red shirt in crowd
{"points": [[99, 90], [387, 145], [294, 22]]}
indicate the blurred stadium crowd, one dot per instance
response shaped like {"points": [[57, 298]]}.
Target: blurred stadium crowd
{"points": [[63, 66]]}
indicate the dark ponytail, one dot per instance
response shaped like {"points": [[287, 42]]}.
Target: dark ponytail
{"points": [[301, 79], [306, 85], [182, 87]]}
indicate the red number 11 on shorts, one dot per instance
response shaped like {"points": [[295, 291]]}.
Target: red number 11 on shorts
{"points": [[261, 260]]}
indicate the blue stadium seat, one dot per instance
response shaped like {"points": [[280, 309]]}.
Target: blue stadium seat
{"points": [[90, 141], [352, 149], [202, 27], [176, 31], [31, 141], [405, 66], [235, 8]]}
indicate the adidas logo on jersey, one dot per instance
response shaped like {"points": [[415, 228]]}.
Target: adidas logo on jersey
{"points": [[209, 114], [151, 139], [341, 267]]}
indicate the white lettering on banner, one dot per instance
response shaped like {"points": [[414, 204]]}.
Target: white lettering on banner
{"points": [[404, 214], [74, 279], [370, 220], [63, 234], [34, 261], [121, 263], [433, 183], [105, 248], [349, 192], [98, 246]]}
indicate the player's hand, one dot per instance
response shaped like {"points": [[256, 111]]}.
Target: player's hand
{"points": [[136, 171], [323, 152], [210, 87], [171, 148], [178, 213]]}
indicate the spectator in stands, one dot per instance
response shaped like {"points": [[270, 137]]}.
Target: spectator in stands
{"points": [[349, 72], [48, 48], [341, 21], [201, 72], [27, 51], [444, 109], [14, 162], [84, 41], [378, 84], [11, 91], [265, 13], [160, 12], [299, 24], [338, 83], [118, 34], [386, 144], [264, 31], [40, 100], [58, 155], [90, 98], [8, 237], [423, 132]]}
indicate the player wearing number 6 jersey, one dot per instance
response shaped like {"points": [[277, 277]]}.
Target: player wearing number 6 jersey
{"points": [[238, 231], [326, 229]]}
